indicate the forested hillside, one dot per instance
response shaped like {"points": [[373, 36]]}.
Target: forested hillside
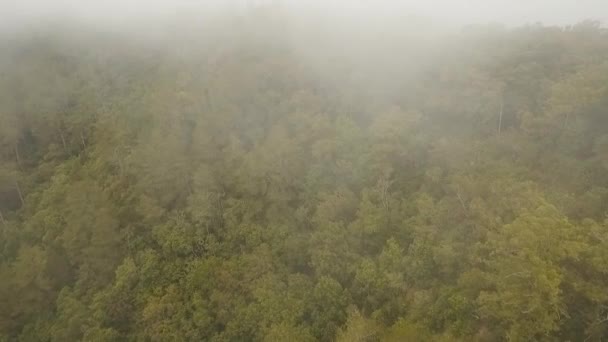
{"points": [[263, 178]]}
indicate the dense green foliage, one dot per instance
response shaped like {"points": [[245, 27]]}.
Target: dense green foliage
{"points": [[258, 178]]}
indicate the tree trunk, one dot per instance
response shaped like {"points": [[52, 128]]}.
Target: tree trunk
{"points": [[464, 206], [84, 144], [65, 147], [18, 188], [17, 156]]}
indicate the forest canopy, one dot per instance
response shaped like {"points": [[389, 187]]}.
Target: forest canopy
{"points": [[261, 177]]}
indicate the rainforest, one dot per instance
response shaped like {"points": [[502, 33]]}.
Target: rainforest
{"points": [[262, 176]]}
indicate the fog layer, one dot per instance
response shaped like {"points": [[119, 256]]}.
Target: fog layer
{"points": [[15, 13]]}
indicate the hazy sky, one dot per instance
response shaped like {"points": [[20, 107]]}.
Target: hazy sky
{"points": [[513, 11], [459, 12]]}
